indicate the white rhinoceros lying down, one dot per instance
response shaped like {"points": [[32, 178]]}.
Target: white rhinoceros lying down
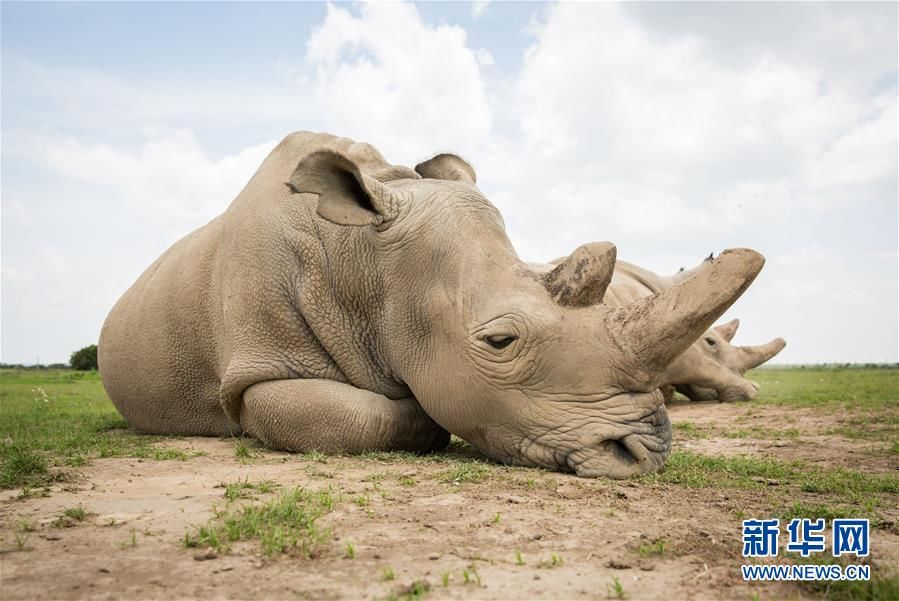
{"points": [[708, 383], [343, 303], [711, 368]]}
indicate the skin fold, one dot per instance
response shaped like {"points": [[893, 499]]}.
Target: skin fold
{"points": [[342, 303]]}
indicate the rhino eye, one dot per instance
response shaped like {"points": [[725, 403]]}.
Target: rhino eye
{"points": [[500, 342], [710, 341]]}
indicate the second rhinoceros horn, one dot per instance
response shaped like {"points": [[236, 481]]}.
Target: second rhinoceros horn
{"points": [[656, 329], [753, 356], [582, 278]]}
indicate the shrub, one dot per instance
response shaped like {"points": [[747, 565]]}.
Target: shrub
{"points": [[84, 359]]}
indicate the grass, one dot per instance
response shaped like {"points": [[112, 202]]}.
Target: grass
{"points": [[458, 451], [465, 472], [54, 419], [883, 585], [870, 389], [615, 589], [285, 524], [764, 433], [688, 429], [555, 560], [700, 471], [656, 548], [245, 489]]}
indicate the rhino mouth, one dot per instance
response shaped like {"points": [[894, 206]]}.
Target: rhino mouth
{"points": [[630, 455]]}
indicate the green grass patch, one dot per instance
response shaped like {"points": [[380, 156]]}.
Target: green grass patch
{"points": [[814, 511], [54, 418], [688, 429], [870, 426], [464, 473], [700, 471], [286, 524], [763, 433], [458, 451], [243, 489], [883, 585], [854, 388]]}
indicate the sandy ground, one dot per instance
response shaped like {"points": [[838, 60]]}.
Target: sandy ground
{"points": [[130, 544]]}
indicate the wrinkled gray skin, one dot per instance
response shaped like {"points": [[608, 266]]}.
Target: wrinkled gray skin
{"points": [[711, 368], [345, 304]]}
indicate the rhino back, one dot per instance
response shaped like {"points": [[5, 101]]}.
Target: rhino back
{"points": [[252, 296], [157, 359]]}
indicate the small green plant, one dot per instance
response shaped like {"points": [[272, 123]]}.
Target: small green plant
{"points": [[70, 517], [132, 540], [316, 456], [470, 575], [615, 589], [362, 500], [242, 488], [445, 578], [387, 574], [21, 540], [407, 481], [349, 551], [26, 526], [242, 451], [76, 513], [519, 558], [497, 518], [235, 490], [656, 547], [465, 472], [554, 561]]}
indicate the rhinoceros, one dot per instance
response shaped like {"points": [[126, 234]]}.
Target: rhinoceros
{"points": [[715, 345], [711, 368], [342, 303]]}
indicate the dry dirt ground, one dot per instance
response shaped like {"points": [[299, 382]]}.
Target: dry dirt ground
{"points": [[497, 533]]}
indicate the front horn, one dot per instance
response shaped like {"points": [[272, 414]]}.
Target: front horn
{"points": [[656, 329]]}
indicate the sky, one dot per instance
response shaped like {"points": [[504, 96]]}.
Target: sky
{"points": [[671, 129]]}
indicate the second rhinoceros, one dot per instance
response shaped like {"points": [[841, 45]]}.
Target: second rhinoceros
{"points": [[342, 303], [711, 368], [715, 345]]}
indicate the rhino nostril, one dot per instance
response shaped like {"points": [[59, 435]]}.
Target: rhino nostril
{"points": [[624, 450]]}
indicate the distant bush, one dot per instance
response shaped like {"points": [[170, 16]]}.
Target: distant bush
{"points": [[84, 359]]}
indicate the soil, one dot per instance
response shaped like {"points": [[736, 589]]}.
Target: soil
{"points": [[130, 544]]}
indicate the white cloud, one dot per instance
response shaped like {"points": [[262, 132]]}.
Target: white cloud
{"points": [[410, 94], [170, 180], [601, 99], [479, 8]]}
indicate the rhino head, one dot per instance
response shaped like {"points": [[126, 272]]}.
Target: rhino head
{"points": [[530, 368], [716, 366]]}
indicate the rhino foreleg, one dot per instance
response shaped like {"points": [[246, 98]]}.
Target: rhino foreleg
{"points": [[331, 417]]}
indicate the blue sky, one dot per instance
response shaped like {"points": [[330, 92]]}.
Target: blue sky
{"points": [[671, 129]]}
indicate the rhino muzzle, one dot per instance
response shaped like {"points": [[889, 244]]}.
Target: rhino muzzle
{"points": [[630, 455]]}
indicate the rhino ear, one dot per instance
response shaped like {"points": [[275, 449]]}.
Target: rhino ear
{"points": [[581, 279], [346, 196], [728, 330], [449, 167]]}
